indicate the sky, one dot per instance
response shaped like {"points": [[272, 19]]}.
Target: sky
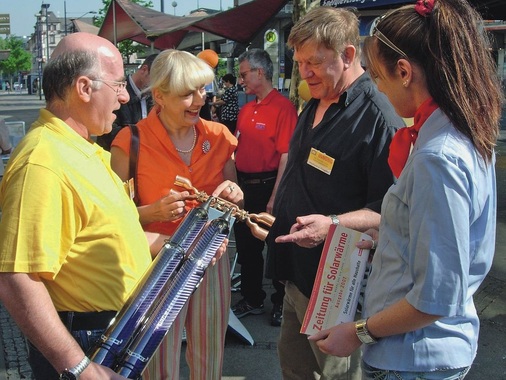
{"points": [[22, 12]]}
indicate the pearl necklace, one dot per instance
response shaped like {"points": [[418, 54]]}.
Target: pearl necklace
{"points": [[193, 145]]}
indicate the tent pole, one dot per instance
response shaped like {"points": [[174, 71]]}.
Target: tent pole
{"points": [[115, 35]]}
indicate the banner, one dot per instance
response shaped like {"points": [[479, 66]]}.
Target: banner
{"points": [[362, 3]]}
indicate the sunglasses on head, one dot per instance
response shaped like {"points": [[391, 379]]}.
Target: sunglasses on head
{"points": [[380, 36]]}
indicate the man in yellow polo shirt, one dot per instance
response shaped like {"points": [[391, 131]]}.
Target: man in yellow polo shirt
{"points": [[71, 246]]}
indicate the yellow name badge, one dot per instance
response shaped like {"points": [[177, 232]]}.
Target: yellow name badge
{"points": [[130, 188], [320, 161]]}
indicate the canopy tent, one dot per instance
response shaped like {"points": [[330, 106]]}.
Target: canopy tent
{"points": [[489, 9], [127, 20], [82, 26]]}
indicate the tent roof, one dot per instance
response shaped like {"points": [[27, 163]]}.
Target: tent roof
{"points": [[146, 25], [83, 26], [489, 9]]}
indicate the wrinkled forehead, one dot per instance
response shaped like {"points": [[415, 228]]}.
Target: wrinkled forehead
{"points": [[311, 52]]}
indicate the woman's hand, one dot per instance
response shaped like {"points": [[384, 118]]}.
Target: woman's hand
{"points": [[369, 244], [170, 207], [219, 253], [340, 340], [230, 191]]}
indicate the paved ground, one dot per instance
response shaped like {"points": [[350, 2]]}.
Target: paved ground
{"points": [[259, 361]]}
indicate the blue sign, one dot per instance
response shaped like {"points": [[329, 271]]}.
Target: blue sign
{"points": [[361, 3]]}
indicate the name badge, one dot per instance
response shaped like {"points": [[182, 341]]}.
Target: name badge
{"points": [[320, 161], [130, 188]]}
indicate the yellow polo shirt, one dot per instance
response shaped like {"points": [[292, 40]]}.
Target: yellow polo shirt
{"points": [[67, 216]]}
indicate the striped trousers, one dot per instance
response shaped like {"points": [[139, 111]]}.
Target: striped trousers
{"points": [[205, 317]]}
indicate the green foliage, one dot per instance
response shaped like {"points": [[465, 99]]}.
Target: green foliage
{"points": [[19, 59], [222, 68], [127, 47]]}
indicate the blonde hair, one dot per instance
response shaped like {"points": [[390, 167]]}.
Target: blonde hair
{"points": [[333, 28], [179, 72]]}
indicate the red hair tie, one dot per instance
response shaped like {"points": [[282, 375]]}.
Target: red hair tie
{"points": [[424, 7]]}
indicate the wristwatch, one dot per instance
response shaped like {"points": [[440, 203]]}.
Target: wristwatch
{"points": [[335, 219], [362, 332], [73, 373]]}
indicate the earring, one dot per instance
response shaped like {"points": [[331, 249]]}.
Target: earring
{"points": [[405, 83]]}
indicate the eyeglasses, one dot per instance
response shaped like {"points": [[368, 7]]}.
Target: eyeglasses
{"points": [[380, 36], [118, 86], [243, 74]]}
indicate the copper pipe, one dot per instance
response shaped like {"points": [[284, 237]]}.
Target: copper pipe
{"points": [[251, 220]]}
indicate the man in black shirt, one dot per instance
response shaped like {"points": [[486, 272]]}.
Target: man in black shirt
{"points": [[337, 171]]}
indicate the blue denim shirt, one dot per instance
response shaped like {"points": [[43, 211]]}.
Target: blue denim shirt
{"points": [[437, 241]]}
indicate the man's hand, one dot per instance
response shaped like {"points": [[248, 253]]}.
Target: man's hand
{"points": [[308, 231], [96, 371]]}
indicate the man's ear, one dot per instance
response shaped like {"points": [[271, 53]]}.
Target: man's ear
{"points": [[348, 55], [84, 88], [145, 69]]}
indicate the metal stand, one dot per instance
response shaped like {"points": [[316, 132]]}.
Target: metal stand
{"points": [[234, 325]]}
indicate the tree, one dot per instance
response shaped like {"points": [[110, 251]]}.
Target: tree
{"points": [[300, 8], [19, 59], [127, 47]]}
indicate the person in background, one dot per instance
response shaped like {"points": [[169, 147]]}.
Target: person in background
{"points": [[181, 143], [264, 128], [137, 107], [210, 57], [437, 232], [337, 172], [5, 141], [71, 246], [228, 103]]}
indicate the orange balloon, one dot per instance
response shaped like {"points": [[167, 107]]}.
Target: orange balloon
{"points": [[209, 56], [304, 92]]}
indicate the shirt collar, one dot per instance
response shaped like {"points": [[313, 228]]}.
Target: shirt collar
{"points": [[134, 87], [48, 120]]}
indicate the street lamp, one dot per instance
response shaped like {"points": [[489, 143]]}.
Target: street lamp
{"points": [[174, 4], [39, 53], [45, 6], [73, 19], [73, 28]]}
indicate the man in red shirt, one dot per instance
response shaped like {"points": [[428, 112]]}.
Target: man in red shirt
{"points": [[264, 128]]}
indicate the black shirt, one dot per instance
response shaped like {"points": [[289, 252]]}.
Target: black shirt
{"points": [[355, 132]]}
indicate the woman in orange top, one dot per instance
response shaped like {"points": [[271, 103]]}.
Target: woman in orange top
{"points": [[173, 140]]}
